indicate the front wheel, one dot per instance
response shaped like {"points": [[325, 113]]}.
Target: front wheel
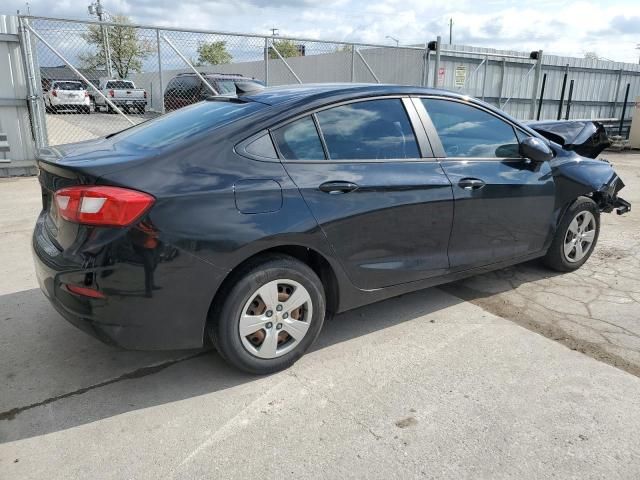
{"points": [[270, 316], [576, 236]]}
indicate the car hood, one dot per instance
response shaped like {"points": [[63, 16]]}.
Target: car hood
{"points": [[585, 137]]}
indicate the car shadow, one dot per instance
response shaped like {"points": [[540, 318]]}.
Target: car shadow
{"points": [[499, 281], [55, 377]]}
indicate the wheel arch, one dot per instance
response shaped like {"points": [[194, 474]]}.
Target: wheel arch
{"points": [[307, 255]]}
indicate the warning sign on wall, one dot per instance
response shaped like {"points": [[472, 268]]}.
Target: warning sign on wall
{"points": [[460, 76], [441, 76]]}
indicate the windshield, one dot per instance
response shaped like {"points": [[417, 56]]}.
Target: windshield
{"points": [[68, 86], [120, 84], [172, 128]]}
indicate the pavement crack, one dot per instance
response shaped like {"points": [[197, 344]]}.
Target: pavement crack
{"points": [[9, 415]]}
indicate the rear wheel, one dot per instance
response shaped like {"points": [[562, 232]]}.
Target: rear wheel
{"points": [[576, 236], [270, 316]]}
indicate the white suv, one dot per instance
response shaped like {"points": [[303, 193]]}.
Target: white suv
{"points": [[67, 95]]}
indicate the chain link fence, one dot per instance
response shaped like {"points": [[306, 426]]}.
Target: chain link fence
{"points": [[89, 79]]}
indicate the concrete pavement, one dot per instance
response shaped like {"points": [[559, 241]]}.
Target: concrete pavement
{"points": [[424, 385]]}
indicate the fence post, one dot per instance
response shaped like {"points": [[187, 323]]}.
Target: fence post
{"points": [[564, 86], [569, 97], [484, 75], [353, 63], [160, 71], [616, 94], [502, 72], [425, 72], [38, 119], [544, 84], [624, 108], [536, 85], [436, 65], [266, 61]]}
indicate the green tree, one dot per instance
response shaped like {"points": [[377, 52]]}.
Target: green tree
{"points": [[287, 48], [213, 53], [345, 48], [126, 47]]}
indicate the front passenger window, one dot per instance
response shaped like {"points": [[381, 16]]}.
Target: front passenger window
{"points": [[466, 131]]}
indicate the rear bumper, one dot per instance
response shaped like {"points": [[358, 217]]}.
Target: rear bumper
{"points": [[129, 103], [64, 102], [153, 300]]}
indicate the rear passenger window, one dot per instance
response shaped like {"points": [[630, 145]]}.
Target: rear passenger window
{"points": [[299, 140], [262, 147], [374, 129], [467, 131]]}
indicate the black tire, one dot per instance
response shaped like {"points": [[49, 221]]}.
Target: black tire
{"points": [[141, 110], [556, 258], [223, 325]]}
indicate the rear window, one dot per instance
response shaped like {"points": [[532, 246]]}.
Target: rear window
{"points": [[120, 84], [226, 87], [188, 122], [68, 86]]}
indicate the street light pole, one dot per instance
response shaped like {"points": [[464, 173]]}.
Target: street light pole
{"points": [[394, 39]]}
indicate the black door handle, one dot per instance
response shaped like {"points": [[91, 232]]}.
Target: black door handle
{"points": [[471, 183], [334, 188]]}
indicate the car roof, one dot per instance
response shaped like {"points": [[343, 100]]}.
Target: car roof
{"points": [[317, 91], [291, 97]]}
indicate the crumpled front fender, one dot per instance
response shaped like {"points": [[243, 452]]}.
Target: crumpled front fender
{"points": [[576, 176]]}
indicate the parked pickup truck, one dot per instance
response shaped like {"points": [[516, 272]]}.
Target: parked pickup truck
{"points": [[123, 93]]}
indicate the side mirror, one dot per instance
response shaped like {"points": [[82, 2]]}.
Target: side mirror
{"points": [[535, 149]]}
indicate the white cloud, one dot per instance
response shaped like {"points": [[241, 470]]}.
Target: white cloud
{"points": [[611, 29]]}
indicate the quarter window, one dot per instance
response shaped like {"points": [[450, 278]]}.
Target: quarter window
{"points": [[467, 131], [299, 140], [374, 129]]}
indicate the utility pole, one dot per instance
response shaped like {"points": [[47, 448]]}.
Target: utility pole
{"points": [[450, 31], [275, 32], [96, 9]]}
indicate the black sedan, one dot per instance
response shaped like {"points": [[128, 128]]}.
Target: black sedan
{"points": [[243, 220]]}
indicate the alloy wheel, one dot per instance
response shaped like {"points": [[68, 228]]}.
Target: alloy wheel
{"points": [[578, 239]]}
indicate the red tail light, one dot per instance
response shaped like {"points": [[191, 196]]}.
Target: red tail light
{"points": [[85, 291], [145, 94], [111, 93], [102, 205], [54, 93]]}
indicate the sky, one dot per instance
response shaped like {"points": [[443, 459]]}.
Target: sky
{"points": [[609, 29]]}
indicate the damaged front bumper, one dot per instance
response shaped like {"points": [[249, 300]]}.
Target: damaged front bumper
{"points": [[609, 200]]}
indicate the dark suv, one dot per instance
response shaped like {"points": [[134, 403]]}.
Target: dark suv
{"points": [[186, 88]]}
